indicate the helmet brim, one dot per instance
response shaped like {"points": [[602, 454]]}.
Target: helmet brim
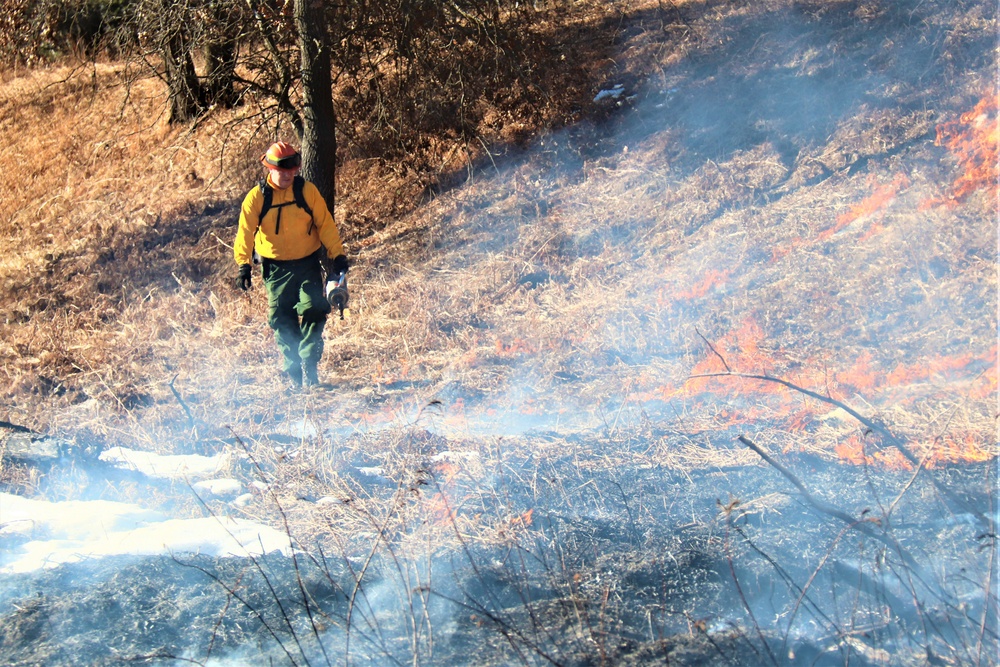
{"points": [[290, 163]]}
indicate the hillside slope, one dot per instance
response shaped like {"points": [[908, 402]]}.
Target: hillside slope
{"points": [[781, 174], [556, 356]]}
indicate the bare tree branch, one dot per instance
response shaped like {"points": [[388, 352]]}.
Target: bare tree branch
{"points": [[875, 427]]}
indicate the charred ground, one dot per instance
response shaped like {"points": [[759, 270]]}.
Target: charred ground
{"points": [[799, 190]]}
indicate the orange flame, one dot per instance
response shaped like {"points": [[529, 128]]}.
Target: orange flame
{"points": [[778, 252], [513, 525], [742, 351], [801, 419], [439, 510], [522, 520], [862, 376], [966, 449], [973, 139], [943, 451], [929, 368], [447, 470], [516, 347], [710, 281], [881, 197], [853, 451], [741, 347]]}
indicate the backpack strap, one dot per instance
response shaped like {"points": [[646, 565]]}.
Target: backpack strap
{"points": [[268, 192], [298, 192]]}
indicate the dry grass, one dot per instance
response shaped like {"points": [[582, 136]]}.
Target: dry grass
{"points": [[523, 365], [565, 289]]}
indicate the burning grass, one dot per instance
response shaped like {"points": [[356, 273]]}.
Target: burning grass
{"points": [[973, 140], [522, 416]]}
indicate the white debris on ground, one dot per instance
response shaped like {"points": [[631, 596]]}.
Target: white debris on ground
{"points": [[454, 457], [221, 488], [614, 93], [178, 466], [242, 500], [75, 530], [304, 429]]}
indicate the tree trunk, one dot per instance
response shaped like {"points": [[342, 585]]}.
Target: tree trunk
{"points": [[319, 140], [220, 76], [182, 81], [221, 53]]}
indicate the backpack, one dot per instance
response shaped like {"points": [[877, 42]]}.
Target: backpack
{"points": [[298, 187]]}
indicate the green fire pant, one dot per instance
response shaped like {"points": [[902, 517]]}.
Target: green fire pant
{"points": [[297, 310]]}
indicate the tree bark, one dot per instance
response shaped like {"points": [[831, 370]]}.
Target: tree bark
{"points": [[182, 82], [319, 139], [220, 76]]}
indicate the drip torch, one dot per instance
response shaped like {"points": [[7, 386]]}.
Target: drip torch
{"points": [[336, 293]]}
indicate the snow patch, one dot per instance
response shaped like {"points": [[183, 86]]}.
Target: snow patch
{"points": [[222, 488], [179, 466], [75, 530]]}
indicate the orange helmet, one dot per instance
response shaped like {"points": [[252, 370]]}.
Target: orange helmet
{"points": [[281, 155]]}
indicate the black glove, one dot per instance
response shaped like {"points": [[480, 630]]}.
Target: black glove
{"points": [[243, 281], [338, 265]]}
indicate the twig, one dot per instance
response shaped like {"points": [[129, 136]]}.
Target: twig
{"points": [[502, 627], [180, 400], [380, 531], [222, 616], [507, 630], [372, 620], [715, 352], [699, 625], [876, 427], [489, 154], [818, 504], [524, 593], [863, 525], [295, 565], [802, 592], [221, 242], [743, 597], [989, 590], [614, 425], [628, 511], [232, 592]]}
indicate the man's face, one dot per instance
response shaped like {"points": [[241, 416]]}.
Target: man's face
{"points": [[281, 178]]}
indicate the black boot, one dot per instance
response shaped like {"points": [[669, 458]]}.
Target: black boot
{"points": [[311, 375], [312, 378], [292, 377]]}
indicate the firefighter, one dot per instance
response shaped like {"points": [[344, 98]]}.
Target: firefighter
{"points": [[286, 221]]}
